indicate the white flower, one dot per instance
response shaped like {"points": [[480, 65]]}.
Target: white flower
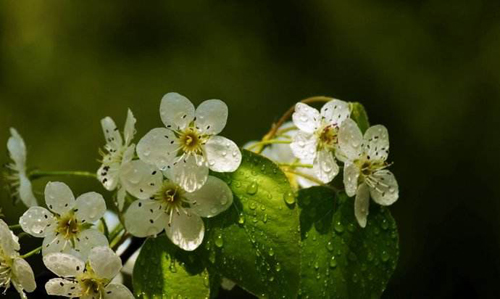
{"points": [[282, 153], [316, 142], [116, 163], [14, 269], [189, 145], [176, 210], [68, 229], [365, 172], [19, 183], [86, 280]]}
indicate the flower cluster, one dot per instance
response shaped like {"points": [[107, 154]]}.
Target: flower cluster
{"points": [[167, 183]]}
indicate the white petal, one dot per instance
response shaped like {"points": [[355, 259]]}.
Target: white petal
{"points": [[26, 191], [189, 173], [223, 155], [303, 182], [145, 218], [335, 112], [36, 221], [281, 153], [88, 239], [17, 149], [304, 146], [105, 262], [306, 118], [24, 274], [129, 130], [325, 167], [120, 197], [63, 287], [186, 230], [129, 154], [158, 147], [108, 173], [140, 179], [351, 175], [54, 242], [64, 265], [113, 138], [211, 116], [212, 199], [350, 141], [8, 241], [117, 291], [376, 143], [384, 190], [90, 207], [362, 204], [176, 111], [59, 197]]}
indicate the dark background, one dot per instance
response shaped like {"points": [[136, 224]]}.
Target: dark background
{"points": [[428, 70]]}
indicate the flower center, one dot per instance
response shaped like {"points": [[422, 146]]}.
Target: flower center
{"points": [[368, 167], [191, 141], [68, 226], [170, 195], [5, 271], [91, 284], [328, 137]]}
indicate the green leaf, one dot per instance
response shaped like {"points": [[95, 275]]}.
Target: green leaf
{"points": [[339, 258], [358, 114], [256, 242], [163, 270]]}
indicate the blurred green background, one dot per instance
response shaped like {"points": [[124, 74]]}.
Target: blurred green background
{"points": [[428, 70]]}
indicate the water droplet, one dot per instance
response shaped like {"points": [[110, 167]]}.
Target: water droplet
{"points": [[338, 227], [289, 197], [252, 206], [333, 262], [271, 252], [385, 224], [241, 218], [219, 242], [253, 188], [316, 265], [329, 246], [385, 256], [265, 218]]}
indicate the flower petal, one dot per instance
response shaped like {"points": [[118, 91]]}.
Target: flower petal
{"points": [[26, 191], [362, 204], [376, 143], [63, 287], [36, 220], [350, 141], [384, 188], [8, 241], [303, 182], [325, 167], [117, 291], [24, 274], [211, 117], [90, 207], [304, 146], [17, 149], [59, 197], [129, 130], [223, 155], [158, 147], [105, 262], [55, 242], [189, 173], [113, 138], [64, 265], [120, 197], [306, 118], [145, 218], [89, 239], [186, 230], [140, 179], [335, 112], [351, 175], [108, 173], [176, 111], [212, 199]]}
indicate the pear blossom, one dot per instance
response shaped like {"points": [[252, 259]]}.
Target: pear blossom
{"points": [[16, 176], [171, 208], [282, 153], [14, 269], [365, 172], [317, 140], [117, 162], [189, 145], [67, 227], [91, 279]]}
